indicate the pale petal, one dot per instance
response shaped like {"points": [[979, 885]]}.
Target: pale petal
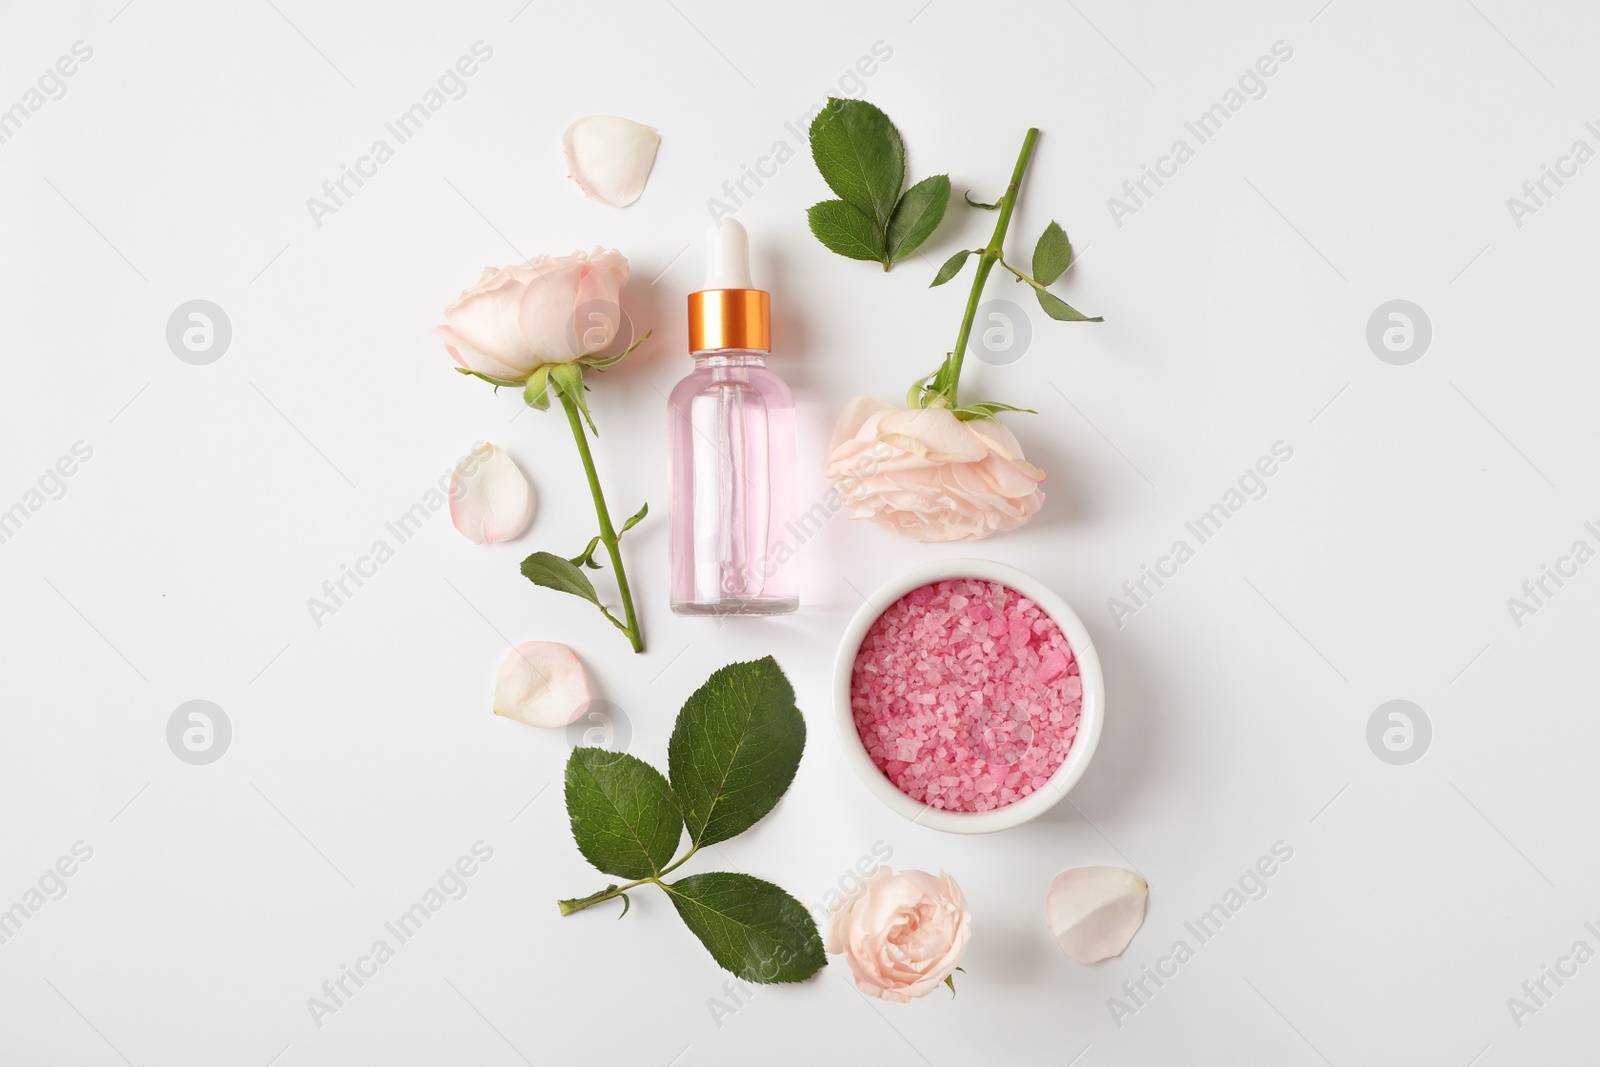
{"points": [[597, 313], [999, 436], [607, 261], [938, 435], [836, 930], [1008, 478], [852, 460], [486, 319], [1093, 912], [470, 358], [545, 312], [610, 157], [490, 498], [541, 683], [853, 417]]}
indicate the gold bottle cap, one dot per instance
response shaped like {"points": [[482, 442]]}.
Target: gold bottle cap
{"points": [[730, 318]]}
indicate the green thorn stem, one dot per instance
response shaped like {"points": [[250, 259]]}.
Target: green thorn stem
{"points": [[987, 257]]}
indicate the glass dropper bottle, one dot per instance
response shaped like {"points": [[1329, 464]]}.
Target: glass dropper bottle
{"points": [[731, 449]]}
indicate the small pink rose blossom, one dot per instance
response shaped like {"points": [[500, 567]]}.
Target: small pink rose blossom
{"points": [[551, 309], [930, 476], [903, 934]]}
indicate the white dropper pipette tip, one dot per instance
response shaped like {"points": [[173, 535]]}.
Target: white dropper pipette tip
{"points": [[728, 256]]}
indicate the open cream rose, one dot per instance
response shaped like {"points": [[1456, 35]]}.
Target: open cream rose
{"points": [[903, 934], [928, 475], [551, 309]]}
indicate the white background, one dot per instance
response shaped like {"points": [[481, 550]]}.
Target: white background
{"points": [[364, 760]]}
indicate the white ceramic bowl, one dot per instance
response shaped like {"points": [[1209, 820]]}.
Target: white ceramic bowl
{"points": [[1092, 718]]}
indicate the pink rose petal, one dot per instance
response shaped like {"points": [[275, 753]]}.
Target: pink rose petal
{"points": [[541, 683], [490, 498]]}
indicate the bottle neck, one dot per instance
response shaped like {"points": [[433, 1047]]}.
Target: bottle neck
{"points": [[729, 357]]}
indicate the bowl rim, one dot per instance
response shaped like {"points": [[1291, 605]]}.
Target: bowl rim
{"points": [[1090, 722]]}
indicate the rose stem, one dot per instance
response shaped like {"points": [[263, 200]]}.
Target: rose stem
{"points": [[612, 891], [987, 257], [608, 535]]}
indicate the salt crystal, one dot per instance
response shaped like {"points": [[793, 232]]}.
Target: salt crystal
{"points": [[1050, 667]]}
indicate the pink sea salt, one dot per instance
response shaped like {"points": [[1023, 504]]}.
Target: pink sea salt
{"points": [[966, 695]]}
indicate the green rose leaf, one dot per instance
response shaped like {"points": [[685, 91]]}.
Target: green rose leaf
{"points": [[751, 927], [735, 749], [1052, 255], [553, 572], [951, 268], [624, 817], [860, 155], [978, 203], [1057, 308], [917, 215], [586, 557], [635, 519], [845, 230]]}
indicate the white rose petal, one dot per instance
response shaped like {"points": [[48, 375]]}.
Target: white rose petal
{"points": [[610, 157], [490, 498], [1094, 912], [541, 683]]}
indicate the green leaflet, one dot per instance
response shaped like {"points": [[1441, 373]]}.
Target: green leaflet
{"points": [[951, 268], [917, 215], [751, 928], [624, 817], [735, 749], [860, 155], [845, 230], [635, 519], [1058, 308], [553, 572], [1052, 255]]}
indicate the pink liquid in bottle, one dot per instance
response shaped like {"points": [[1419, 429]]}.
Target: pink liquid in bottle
{"points": [[731, 451]]}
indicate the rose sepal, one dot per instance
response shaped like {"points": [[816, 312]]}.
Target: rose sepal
{"points": [[599, 362]]}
